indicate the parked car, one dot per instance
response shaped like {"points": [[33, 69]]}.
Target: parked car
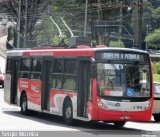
{"points": [[156, 105], [1, 79]]}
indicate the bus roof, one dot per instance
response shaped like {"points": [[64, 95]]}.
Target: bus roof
{"points": [[67, 52]]}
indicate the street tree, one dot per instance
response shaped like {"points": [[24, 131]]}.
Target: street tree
{"points": [[118, 44], [153, 39], [29, 14]]}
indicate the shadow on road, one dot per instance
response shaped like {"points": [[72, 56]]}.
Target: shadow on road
{"points": [[96, 128]]}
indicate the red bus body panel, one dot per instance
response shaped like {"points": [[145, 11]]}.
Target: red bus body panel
{"points": [[100, 114], [32, 89], [63, 52]]}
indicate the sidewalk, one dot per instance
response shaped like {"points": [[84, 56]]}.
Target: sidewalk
{"points": [[5, 106]]}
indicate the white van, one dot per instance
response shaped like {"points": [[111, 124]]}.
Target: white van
{"points": [[156, 105]]}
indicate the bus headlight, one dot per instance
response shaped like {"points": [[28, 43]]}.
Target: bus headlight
{"points": [[101, 105], [148, 106]]}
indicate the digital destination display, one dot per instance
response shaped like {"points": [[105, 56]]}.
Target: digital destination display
{"points": [[121, 56]]}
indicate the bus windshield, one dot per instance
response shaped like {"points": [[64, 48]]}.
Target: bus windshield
{"points": [[123, 80]]}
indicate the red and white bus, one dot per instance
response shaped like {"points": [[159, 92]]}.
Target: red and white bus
{"points": [[90, 84]]}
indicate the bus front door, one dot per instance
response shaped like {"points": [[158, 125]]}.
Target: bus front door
{"points": [[46, 75], [83, 88]]}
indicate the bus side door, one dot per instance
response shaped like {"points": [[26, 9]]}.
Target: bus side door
{"points": [[46, 76], [83, 87]]}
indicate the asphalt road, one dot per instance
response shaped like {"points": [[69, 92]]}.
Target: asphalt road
{"points": [[12, 120]]}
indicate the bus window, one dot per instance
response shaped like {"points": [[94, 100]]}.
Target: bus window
{"points": [[123, 80], [58, 66], [36, 69], [36, 66], [25, 64], [69, 83], [25, 68], [56, 81], [70, 66]]}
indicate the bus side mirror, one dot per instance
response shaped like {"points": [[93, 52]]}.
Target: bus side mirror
{"points": [[93, 71]]}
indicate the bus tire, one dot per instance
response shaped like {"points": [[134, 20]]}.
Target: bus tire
{"points": [[119, 124], [3, 85], [68, 112], [156, 117], [23, 104]]}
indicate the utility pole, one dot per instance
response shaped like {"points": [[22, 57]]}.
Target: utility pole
{"points": [[99, 9], [25, 33], [138, 23], [85, 20], [121, 23], [146, 41], [19, 24]]}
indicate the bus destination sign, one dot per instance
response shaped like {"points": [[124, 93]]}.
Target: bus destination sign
{"points": [[121, 56]]}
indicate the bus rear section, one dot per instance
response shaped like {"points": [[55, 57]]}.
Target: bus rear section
{"points": [[119, 94]]}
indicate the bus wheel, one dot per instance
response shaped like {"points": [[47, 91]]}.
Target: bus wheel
{"points": [[24, 107], [156, 117], [3, 85], [119, 124], [68, 112]]}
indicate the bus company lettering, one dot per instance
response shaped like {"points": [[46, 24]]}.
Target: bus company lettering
{"points": [[35, 88], [41, 54], [23, 84]]}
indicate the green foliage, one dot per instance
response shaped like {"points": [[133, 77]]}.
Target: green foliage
{"points": [[156, 12], [151, 12], [147, 14], [55, 40], [49, 34], [156, 77], [46, 31], [153, 38], [66, 41], [93, 43], [116, 44], [156, 18], [155, 3], [156, 67], [34, 9], [73, 14]]}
